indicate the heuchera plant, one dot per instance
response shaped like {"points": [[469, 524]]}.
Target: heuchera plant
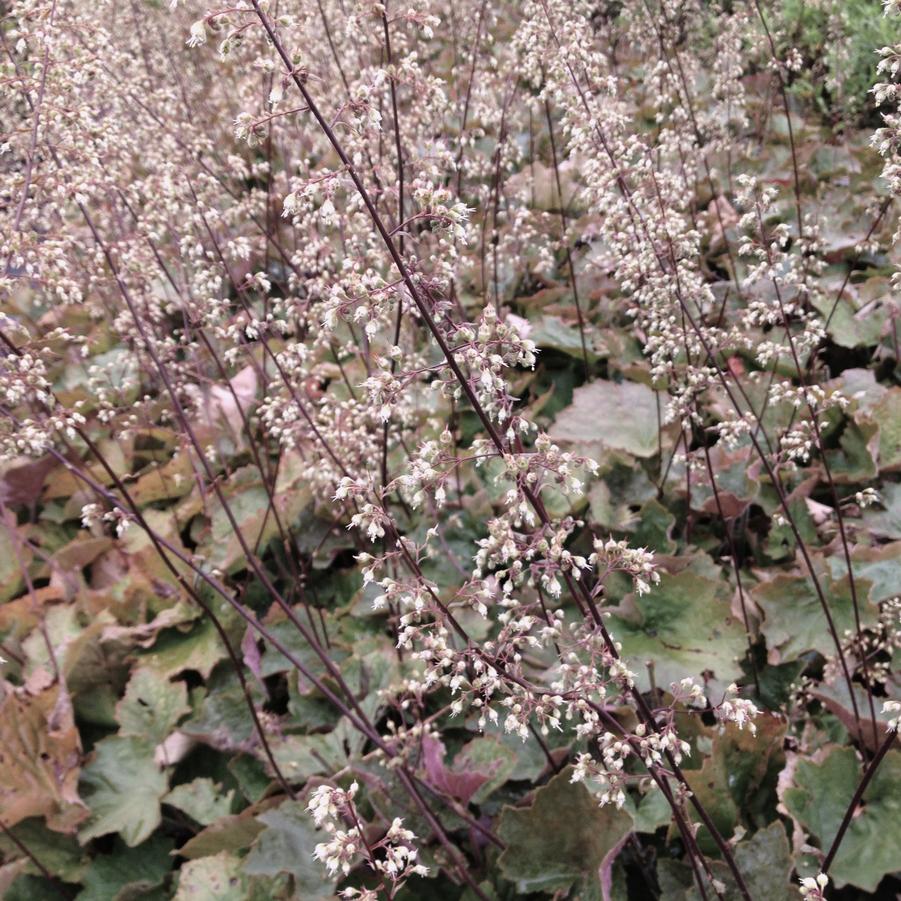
{"points": [[449, 451]]}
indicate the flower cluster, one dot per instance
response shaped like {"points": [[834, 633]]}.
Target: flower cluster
{"points": [[813, 887], [392, 857]]}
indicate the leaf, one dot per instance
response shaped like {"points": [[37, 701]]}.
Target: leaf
{"points": [[11, 877], [202, 800], [655, 525], [764, 862], [27, 888], [887, 413], [461, 785], [286, 846], [222, 405], [11, 578], [128, 872], [776, 683], [553, 333], [248, 503], [684, 625], [616, 494], [850, 327], [250, 654], [490, 757], [21, 483], [231, 833], [821, 791], [854, 460], [781, 543], [273, 661], [877, 571], [373, 668], [143, 557], [562, 837], [837, 700], [144, 634], [621, 415], [222, 719], [794, 622], [171, 480], [216, 878], [251, 776], [528, 759], [152, 706], [302, 756], [887, 521], [736, 478], [653, 811], [122, 787], [730, 779], [198, 649], [40, 754], [60, 854], [67, 637]]}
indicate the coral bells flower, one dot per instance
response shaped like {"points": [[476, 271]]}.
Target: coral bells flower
{"points": [[892, 710], [327, 802], [616, 556], [198, 34], [737, 710], [812, 888], [340, 852]]}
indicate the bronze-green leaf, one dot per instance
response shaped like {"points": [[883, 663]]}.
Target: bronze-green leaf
{"points": [[562, 837]]}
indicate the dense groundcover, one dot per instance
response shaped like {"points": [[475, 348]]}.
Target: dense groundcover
{"points": [[449, 449]]}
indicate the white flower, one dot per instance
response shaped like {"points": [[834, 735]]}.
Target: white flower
{"points": [[198, 34], [91, 514], [867, 497], [892, 709], [812, 888]]}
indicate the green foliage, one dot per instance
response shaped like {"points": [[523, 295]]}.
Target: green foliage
{"points": [[202, 800], [764, 861], [684, 627], [873, 846], [837, 40], [622, 416], [151, 706], [122, 786], [216, 878], [561, 838], [128, 872], [286, 846]]}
